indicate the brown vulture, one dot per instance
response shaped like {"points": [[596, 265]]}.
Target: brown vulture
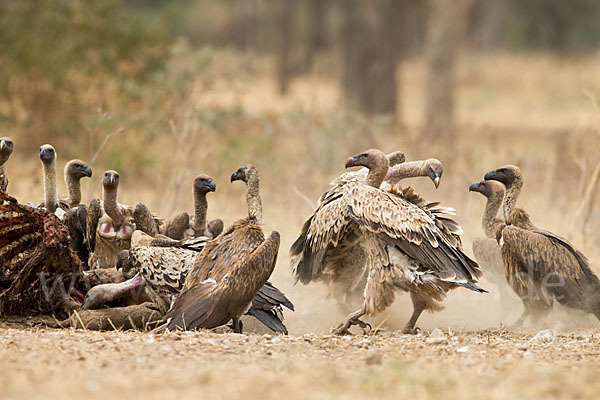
{"points": [[230, 270], [110, 225], [401, 246], [486, 249], [539, 265], [6, 149]]}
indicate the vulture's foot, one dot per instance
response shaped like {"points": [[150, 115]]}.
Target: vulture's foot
{"points": [[411, 331], [344, 327]]}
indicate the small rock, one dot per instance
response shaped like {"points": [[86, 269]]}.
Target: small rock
{"points": [[436, 337], [464, 349], [275, 340], [543, 335], [373, 357]]}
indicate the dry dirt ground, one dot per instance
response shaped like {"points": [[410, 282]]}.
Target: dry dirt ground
{"points": [[67, 363]]}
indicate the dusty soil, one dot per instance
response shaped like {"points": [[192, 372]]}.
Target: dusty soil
{"points": [[67, 363]]}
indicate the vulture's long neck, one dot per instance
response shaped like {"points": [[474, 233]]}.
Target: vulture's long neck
{"points": [[488, 221], [411, 169], [74, 188], [510, 197], [200, 210], [378, 172], [253, 200], [111, 207], [50, 191]]}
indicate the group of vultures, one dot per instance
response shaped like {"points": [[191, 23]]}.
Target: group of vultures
{"points": [[367, 238]]}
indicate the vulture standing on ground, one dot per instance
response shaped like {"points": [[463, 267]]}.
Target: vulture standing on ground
{"points": [[230, 270], [539, 265], [400, 245], [6, 149], [110, 224], [486, 250]]}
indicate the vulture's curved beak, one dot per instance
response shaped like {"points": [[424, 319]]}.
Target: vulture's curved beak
{"points": [[237, 175], [436, 179], [474, 187], [212, 186], [491, 175], [351, 161], [2, 145], [87, 171]]}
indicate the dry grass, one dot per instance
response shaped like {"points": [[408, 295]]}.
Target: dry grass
{"points": [[529, 110]]}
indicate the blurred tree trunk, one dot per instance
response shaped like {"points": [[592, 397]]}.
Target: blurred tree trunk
{"points": [[284, 72], [315, 10], [445, 28], [370, 46]]}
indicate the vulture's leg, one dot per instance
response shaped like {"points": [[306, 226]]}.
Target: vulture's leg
{"points": [[419, 305], [352, 319], [237, 325]]}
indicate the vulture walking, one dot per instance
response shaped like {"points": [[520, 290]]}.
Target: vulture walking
{"points": [[110, 225], [397, 242], [229, 272], [6, 149], [486, 250], [539, 265]]}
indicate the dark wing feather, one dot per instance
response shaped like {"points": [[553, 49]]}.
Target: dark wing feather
{"points": [[93, 215], [238, 273], [144, 220], [267, 307], [76, 221]]}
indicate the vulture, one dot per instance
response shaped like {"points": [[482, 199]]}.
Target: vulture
{"points": [[396, 242], [74, 171], [164, 264], [229, 272], [539, 265], [110, 225], [181, 225], [486, 250], [203, 184], [6, 149]]}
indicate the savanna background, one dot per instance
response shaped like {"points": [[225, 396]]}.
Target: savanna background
{"points": [[162, 91]]}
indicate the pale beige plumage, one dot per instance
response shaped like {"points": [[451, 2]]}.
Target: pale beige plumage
{"points": [[402, 245]]}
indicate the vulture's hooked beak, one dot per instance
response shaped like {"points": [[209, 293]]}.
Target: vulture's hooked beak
{"points": [[490, 175], [436, 179], [87, 171], [351, 161], [474, 187], [212, 186], [2, 144], [237, 175]]}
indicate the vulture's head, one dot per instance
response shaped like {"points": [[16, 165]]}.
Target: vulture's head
{"points": [[435, 169], [77, 169], [396, 157], [506, 175], [47, 154], [487, 188], [110, 179], [245, 173], [371, 159], [204, 184], [6, 147]]}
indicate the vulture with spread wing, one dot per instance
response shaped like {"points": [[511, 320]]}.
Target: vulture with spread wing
{"points": [[231, 269], [539, 265], [397, 242]]}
